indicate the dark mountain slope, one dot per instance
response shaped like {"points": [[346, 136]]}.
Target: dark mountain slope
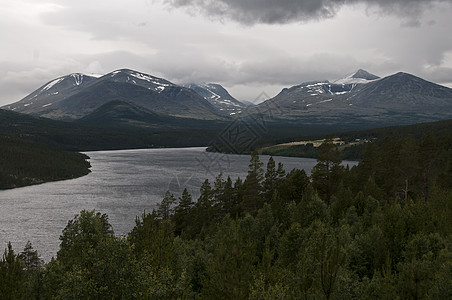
{"points": [[84, 137], [118, 113]]}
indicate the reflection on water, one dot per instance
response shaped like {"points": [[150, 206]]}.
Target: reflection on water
{"points": [[122, 184]]}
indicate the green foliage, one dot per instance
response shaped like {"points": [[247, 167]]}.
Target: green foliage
{"points": [[12, 275], [81, 236], [381, 230], [152, 238]]}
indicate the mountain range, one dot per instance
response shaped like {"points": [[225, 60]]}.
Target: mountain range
{"points": [[362, 99], [75, 96], [132, 98]]}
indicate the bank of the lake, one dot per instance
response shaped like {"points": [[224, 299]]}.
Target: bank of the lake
{"points": [[122, 184]]}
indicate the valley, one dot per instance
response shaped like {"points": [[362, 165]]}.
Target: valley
{"points": [[127, 109]]}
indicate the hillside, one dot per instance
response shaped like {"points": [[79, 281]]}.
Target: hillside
{"points": [[25, 163], [353, 142], [90, 137]]}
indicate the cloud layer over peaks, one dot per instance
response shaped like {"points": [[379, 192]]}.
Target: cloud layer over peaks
{"points": [[289, 11]]}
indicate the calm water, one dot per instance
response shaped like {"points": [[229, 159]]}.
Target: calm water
{"points": [[122, 184]]}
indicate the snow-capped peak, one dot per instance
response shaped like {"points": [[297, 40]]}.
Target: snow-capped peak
{"points": [[360, 76]]}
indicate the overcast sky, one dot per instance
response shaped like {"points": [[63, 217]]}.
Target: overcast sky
{"points": [[248, 46]]}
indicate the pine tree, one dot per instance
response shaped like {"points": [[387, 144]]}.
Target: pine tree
{"points": [[30, 257], [203, 212], [165, 209], [327, 173], [182, 212], [270, 183], [252, 186]]}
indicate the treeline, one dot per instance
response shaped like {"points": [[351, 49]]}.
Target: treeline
{"points": [[354, 140], [25, 163], [348, 152], [380, 230]]}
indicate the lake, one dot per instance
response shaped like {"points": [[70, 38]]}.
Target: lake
{"points": [[123, 184]]}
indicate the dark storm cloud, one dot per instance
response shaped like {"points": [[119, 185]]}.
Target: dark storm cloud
{"points": [[288, 11]]}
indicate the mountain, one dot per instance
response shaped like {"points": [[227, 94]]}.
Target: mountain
{"points": [[41, 101], [130, 98], [362, 100], [219, 97], [360, 76], [75, 96]]}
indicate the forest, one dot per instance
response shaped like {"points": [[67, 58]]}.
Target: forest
{"points": [[379, 230], [351, 150], [25, 163]]}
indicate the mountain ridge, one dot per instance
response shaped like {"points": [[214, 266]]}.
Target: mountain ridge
{"points": [[359, 99], [218, 96], [78, 98], [398, 99]]}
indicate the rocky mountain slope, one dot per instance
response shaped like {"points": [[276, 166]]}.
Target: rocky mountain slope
{"points": [[75, 96], [363, 98], [219, 97]]}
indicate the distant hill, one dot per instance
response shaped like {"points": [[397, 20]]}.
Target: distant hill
{"points": [[118, 113], [77, 136], [25, 163]]}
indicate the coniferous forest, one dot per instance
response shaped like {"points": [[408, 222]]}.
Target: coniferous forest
{"points": [[380, 230], [25, 163]]}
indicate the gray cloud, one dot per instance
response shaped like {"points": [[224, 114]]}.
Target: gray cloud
{"points": [[101, 36], [288, 11]]}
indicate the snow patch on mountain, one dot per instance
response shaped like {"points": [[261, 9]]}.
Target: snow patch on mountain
{"points": [[150, 79], [78, 78], [52, 83]]}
